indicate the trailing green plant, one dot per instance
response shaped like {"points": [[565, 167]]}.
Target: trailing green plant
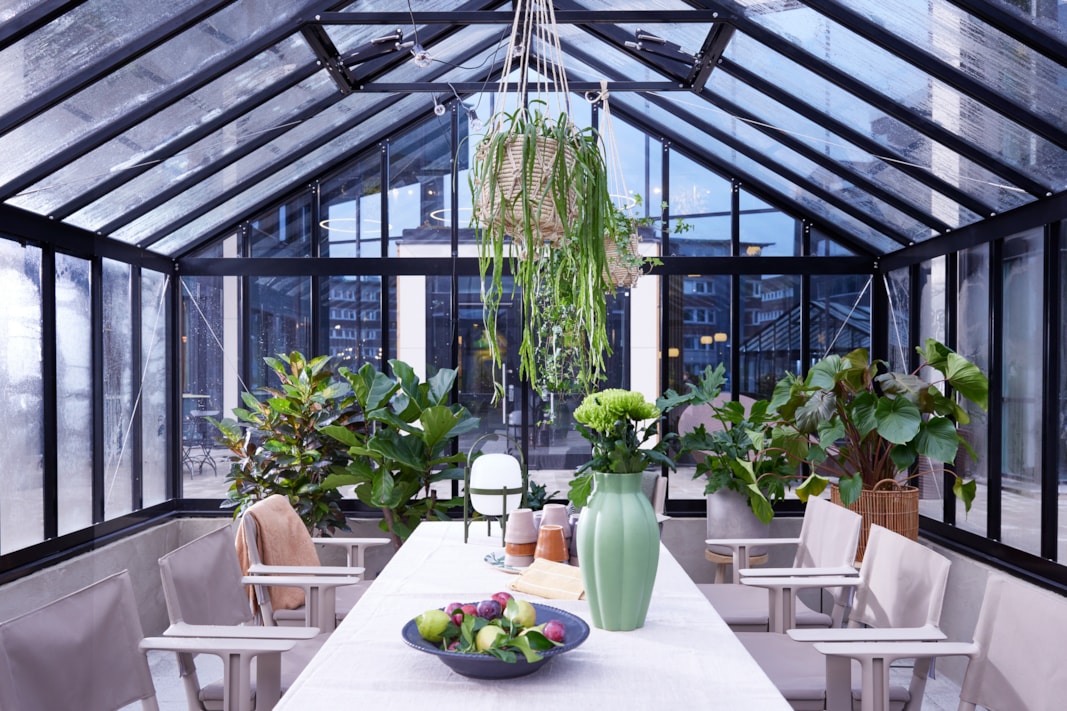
{"points": [[277, 444], [406, 446], [853, 417], [541, 210]]}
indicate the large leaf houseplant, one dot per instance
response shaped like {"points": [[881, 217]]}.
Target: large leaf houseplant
{"points": [[406, 445], [852, 418]]}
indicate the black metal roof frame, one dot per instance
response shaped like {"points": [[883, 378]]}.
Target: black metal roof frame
{"points": [[686, 73]]}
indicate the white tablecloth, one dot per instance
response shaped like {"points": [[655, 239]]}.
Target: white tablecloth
{"points": [[684, 657]]}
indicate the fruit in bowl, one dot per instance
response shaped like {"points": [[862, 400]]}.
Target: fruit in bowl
{"points": [[491, 640]]}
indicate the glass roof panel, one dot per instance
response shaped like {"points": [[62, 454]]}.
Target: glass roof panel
{"points": [[770, 112], [274, 115], [909, 86], [696, 111], [292, 173], [168, 125], [787, 192], [13, 7], [1049, 16], [282, 148], [74, 41], [915, 147], [191, 52], [975, 48]]}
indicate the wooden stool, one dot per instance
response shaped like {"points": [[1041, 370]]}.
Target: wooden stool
{"points": [[721, 561]]}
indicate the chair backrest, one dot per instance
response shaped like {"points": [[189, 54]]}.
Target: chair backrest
{"points": [[829, 535], [79, 652], [1020, 633], [202, 582], [902, 583]]}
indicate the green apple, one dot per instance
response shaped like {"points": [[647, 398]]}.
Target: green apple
{"points": [[521, 613], [486, 636], [431, 624]]}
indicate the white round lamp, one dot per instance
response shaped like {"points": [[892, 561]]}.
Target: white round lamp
{"points": [[496, 484]]}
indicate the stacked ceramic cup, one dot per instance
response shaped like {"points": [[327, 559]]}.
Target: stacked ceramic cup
{"points": [[520, 539]]}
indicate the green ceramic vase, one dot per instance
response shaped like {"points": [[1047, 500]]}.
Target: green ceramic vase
{"points": [[618, 551]]}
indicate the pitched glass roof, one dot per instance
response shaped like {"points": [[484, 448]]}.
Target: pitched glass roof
{"points": [[884, 122]]}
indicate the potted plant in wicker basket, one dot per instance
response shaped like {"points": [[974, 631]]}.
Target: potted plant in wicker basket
{"points": [[852, 418]]}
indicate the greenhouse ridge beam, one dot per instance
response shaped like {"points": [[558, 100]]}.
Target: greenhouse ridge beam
{"points": [[507, 17]]}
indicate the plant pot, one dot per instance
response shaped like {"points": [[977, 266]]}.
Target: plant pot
{"points": [[524, 178], [622, 266], [730, 516], [618, 545], [894, 508]]}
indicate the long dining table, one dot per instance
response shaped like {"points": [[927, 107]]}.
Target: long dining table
{"points": [[684, 657]]}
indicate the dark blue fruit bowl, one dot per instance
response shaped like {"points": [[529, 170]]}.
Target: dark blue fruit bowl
{"points": [[486, 666]]}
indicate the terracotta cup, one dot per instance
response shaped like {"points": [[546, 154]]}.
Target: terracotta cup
{"points": [[551, 545], [556, 515]]}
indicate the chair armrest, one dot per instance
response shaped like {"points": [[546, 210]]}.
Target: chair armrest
{"points": [[356, 547], [740, 549], [800, 582], [926, 633], [261, 569], [247, 632], [320, 595], [875, 659], [737, 542], [892, 651], [216, 645], [237, 656], [846, 570]]}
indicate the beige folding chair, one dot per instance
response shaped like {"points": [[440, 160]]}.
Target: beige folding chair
{"points": [[826, 546], [203, 586], [86, 652], [1016, 659], [273, 540], [899, 593]]}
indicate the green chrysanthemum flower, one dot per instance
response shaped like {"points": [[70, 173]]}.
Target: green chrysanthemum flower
{"points": [[602, 411]]}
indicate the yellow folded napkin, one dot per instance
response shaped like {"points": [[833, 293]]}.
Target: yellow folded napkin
{"points": [[546, 578]]}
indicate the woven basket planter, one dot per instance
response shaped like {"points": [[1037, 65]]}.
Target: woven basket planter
{"points": [[894, 508], [621, 271], [502, 202]]}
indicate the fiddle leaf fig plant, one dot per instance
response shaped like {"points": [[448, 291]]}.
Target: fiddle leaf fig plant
{"points": [[406, 446]]}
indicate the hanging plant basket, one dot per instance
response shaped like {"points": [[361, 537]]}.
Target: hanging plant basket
{"points": [[892, 506], [624, 265], [521, 190]]}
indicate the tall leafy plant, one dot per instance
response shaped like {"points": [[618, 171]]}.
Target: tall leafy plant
{"points": [[406, 446], [276, 442], [853, 417]]}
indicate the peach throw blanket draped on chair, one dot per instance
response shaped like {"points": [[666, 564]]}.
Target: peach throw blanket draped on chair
{"points": [[281, 539]]}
